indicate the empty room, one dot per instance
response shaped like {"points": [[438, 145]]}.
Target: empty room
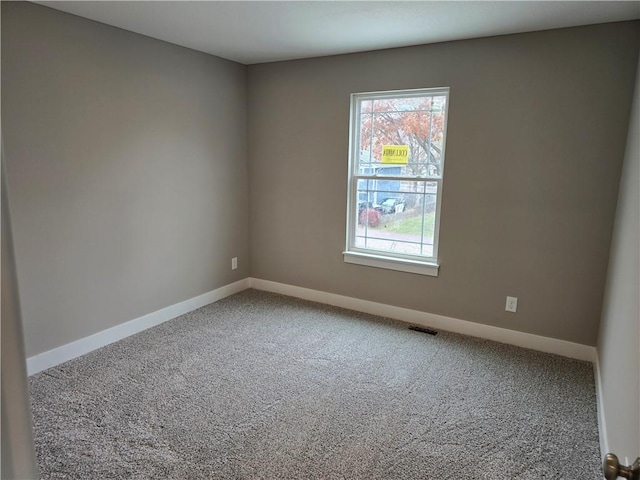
{"points": [[328, 240]]}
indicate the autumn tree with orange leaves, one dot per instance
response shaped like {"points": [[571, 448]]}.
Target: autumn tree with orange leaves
{"points": [[417, 122]]}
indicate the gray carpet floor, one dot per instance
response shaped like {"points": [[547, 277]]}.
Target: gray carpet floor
{"points": [[264, 386]]}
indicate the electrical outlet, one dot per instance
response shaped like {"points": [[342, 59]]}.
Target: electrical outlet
{"points": [[234, 263], [512, 304]]}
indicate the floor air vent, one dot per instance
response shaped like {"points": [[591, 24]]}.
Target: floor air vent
{"points": [[423, 330]]}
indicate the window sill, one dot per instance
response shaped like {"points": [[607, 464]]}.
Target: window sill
{"points": [[390, 263]]}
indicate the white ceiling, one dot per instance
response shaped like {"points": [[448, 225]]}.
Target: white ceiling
{"points": [[265, 31]]}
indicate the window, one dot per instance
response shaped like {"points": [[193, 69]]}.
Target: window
{"points": [[396, 160]]}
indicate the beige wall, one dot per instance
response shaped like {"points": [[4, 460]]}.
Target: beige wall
{"points": [[619, 338], [535, 141], [127, 172], [16, 436]]}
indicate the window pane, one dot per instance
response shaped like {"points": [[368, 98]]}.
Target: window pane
{"points": [[376, 190], [396, 216], [415, 124], [389, 246], [400, 104], [366, 106], [439, 103], [428, 226]]}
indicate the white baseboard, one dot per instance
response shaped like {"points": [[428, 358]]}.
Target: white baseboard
{"points": [[602, 424], [61, 354], [503, 335]]}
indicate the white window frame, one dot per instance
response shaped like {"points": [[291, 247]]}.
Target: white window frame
{"points": [[417, 264]]}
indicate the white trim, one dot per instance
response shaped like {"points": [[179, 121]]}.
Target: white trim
{"points": [[72, 350], [602, 424], [400, 264], [503, 335], [354, 176]]}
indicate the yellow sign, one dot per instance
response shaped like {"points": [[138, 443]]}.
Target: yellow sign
{"points": [[398, 154]]}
